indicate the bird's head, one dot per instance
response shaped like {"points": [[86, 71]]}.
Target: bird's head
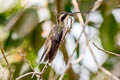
{"points": [[62, 17]]}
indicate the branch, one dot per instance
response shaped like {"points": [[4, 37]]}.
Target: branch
{"points": [[26, 74], [109, 73], [106, 51], [71, 73], [79, 59], [24, 58], [43, 70], [69, 65], [1, 57], [38, 75], [9, 67]]}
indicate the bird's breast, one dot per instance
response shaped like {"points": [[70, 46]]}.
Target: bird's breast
{"points": [[57, 36]]}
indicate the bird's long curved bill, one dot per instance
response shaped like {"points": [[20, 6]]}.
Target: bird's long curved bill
{"points": [[79, 12], [74, 12]]}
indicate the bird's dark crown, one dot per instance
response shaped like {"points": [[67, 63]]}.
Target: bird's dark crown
{"points": [[61, 16]]}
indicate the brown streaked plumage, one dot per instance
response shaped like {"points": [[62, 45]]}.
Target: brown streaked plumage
{"points": [[54, 39]]}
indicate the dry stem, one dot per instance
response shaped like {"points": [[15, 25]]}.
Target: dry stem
{"points": [[24, 58], [9, 67], [106, 51], [26, 74]]}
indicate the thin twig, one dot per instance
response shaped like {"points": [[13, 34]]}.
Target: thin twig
{"points": [[1, 57], [26, 74], [67, 67], [106, 51], [43, 70], [108, 73], [79, 59], [24, 58], [70, 64], [93, 55], [9, 67]]}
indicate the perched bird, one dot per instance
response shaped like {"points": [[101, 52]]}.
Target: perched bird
{"points": [[55, 36]]}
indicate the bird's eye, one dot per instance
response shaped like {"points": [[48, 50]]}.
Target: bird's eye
{"points": [[63, 17]]}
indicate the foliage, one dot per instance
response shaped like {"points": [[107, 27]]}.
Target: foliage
{"points": [[23, 35]]}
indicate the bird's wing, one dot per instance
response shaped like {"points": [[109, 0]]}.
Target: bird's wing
{"points": [[56, 39], [48, 44]]}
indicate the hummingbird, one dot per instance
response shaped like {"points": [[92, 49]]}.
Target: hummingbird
{"points": [[54, 38]]}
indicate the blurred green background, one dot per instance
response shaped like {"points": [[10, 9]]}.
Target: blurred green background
{"points": [[25, 24]]}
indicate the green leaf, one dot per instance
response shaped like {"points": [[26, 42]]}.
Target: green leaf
{"points": [[66, 77], [108, 30]]}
